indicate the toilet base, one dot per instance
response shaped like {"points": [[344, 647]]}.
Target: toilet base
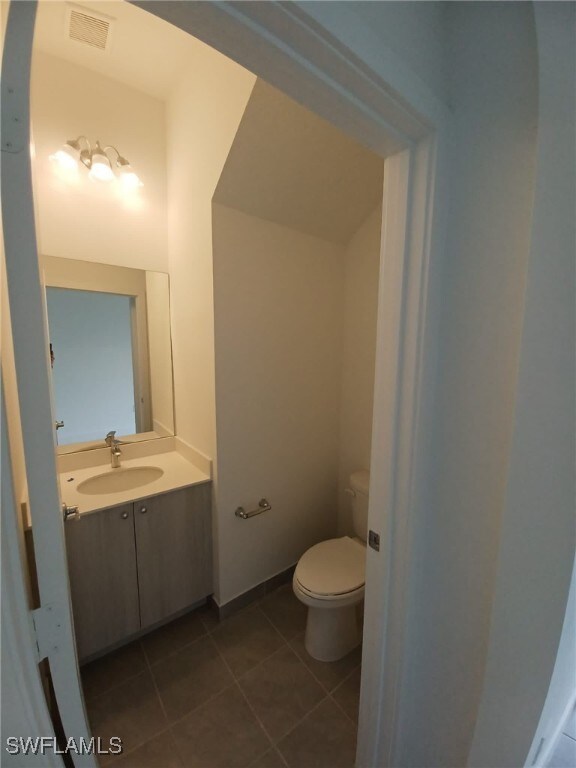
{"points": [[331, 633]]}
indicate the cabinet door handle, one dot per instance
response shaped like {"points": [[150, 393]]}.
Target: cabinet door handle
{"points": [[124, 515], [143, 510]]}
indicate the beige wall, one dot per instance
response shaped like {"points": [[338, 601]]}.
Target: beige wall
{"points": [[81, 219], [160, 351], [278, 325], [203, 114], [362, 265]]}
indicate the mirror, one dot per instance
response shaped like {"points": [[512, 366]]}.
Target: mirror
{"points": [[111, 352]]}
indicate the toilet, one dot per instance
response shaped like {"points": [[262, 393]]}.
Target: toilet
{"points": [[329, 579]]}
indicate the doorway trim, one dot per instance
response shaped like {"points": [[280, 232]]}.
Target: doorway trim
{"points": [[335, 66]]}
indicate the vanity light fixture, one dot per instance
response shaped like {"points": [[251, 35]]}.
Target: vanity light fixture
{"points": [[102, 165]]}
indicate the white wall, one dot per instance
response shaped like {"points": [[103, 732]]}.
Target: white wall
{"points": [[203, 114], [81, 219], [492, 165], [360, 307], [415, 31], [278, 321], [160, 351], [538, 528]]}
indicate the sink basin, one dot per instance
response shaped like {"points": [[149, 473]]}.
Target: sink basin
{"points": [[120, 479]]}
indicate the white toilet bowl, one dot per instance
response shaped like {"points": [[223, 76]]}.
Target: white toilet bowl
{"points": [[329, 579]]}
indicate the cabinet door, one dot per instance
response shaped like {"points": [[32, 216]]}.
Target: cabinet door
{"points": [[174, 544], [102, 569]]}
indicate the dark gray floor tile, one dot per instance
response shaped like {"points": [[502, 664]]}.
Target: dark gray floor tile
{"points": [[285, 611], [223, 733], [324, 739], [190, 676], [130, 711], [281, 691], [173, 636], [159, 752], [329, 673], [348, 694], [111, 670], [272, 759], [246, 639]]}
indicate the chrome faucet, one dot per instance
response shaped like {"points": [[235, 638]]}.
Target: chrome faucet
{"points": [[114, 446]]}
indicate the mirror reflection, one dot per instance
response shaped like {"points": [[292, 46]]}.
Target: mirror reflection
{"points": [[111, 353]]}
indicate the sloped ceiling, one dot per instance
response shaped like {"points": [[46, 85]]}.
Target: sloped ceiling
{"points": [[291, 167]]}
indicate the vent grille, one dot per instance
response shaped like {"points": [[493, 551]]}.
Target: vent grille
{"points": [[86, 28]]}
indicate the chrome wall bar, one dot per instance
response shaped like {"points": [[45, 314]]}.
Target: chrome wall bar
{"points": [[263, 506]]}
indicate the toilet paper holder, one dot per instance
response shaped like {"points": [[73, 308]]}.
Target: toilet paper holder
{"points": [[263, 506]]}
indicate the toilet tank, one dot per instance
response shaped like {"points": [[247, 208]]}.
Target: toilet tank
{"points": [[359, 484]]}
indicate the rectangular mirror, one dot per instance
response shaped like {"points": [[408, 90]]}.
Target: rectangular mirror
{"points": [[111, 350]]}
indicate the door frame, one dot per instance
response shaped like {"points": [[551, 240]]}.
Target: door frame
{"points": [[333, 64], [53, 637]]}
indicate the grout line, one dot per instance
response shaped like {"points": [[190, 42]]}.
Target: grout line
{"points": [[162, 707], [314, 708], [258, 663], [148, 667], [274, 627], [341, 708], [91, 699], [275, 748], [354, 721], [148, 662], [243, 695], [167, 723], [178, 720], [180, 648], [140, 744], [329, 691], [273, 743]]}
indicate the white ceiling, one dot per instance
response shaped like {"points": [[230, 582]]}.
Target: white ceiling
{"points": [[146, 53], [290, 166]]}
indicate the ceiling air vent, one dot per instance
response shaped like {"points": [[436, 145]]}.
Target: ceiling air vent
{"points": [[88, 28]]}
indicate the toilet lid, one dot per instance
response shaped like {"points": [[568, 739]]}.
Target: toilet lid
{"points": [[333, 567]]}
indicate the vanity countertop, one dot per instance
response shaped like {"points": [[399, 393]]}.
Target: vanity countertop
{"points": [[177, 472]]}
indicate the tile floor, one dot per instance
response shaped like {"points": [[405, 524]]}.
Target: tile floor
{"points": [[241, 693]]}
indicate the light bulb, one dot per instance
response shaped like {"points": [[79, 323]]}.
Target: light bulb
{"points": [[66, 157], [100, 169], [128, 178]]}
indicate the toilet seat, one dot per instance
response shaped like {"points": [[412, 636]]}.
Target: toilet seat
{"points": [[332, 569]]}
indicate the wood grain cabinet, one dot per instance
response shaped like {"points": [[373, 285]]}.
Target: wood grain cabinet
{"points": [[102, 569], [173, 546], [134, 565]]}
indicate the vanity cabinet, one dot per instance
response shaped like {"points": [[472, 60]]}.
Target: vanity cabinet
{"points": [[173, 536], [134, 565], [102, 570]]}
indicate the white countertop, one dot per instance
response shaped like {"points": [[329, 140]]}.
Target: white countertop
{"points": [[178, 472]]}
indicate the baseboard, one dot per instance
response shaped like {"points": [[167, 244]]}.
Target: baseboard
{"points": [[145, 631], [255, 593]]}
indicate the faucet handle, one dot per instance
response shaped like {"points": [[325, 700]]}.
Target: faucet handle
{"points": [[110, 437]]}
